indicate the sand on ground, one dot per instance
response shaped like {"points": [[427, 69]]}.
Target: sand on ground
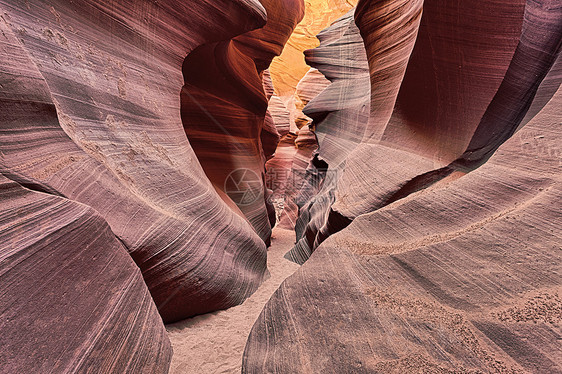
{"points": [[214, 342]]}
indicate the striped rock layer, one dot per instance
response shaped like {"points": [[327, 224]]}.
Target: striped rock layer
{"points": [[92, 94], [288, 69], [72, 299], [448, 258], [286, 170], [462, 277], [295, 151], [224, 106], [339, 113], [104, 180], [436, 108]]}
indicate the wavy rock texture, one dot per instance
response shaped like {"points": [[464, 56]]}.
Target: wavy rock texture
{"points": [[339, 115], [459, 278], [270, 135], [288, 69], [270, 138], [436, 226], [90, 110], [304, 145], [340, 112], [279, 166], [224, 106], [296, 84], [447, 111], [86, 306], [287, 169], [443, 269]]}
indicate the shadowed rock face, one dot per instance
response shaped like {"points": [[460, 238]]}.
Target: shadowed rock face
{"points": [[424, 170], [72, 299], [296, 149], [442, 112], [461, 277], [339, 115], [279, 166], [224, 106], [441, 252], [321, 218], [90, 111]]}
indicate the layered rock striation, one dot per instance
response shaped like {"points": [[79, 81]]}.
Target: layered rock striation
{"points": [[92, 142], [224, 106], [440, 250], [72, 299], [339, 114], [462, 277], [91, 109], [407, 146], [289, 68], [138, 139]]}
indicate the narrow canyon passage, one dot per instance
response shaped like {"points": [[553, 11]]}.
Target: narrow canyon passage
{"points": [[215, 342], [280, 186]]}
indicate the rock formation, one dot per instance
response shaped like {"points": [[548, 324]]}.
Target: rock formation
{"points": [[288, 69], [303, 144], [148, 147], [92, 90], [440, 253], [406, 145], [223, 109], [279, 166], [460, 278], [339, 113], [72, 298], [90, 113]]}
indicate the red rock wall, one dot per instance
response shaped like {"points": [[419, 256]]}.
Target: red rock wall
{"points": [[107, 133], [340, 114], [72, 299], [460, 278], [439, 269], [434, 252], [90, 111], [437, 109], [224, 106]]}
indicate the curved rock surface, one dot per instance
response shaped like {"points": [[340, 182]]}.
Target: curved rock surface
{"points": [[304, 144], [90, 110], [463, 277], [224, 106], [289, 69], [72, 299], [441, 251], [339, 115], [421, 156], [442, 113], [279, 166]]}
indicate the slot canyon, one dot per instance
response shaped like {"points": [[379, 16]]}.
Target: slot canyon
{"points": [[280, 186]]}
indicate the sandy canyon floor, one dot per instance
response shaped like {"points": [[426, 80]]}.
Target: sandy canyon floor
{"points": [[214, 342]]}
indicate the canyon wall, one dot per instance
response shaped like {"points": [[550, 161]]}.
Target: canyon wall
{"points": [[289, 68], [93, 152], [223, 109], [71, 292], [461, 277], [147, 148], [91, 110], [440, 249], [441, 114], [339, 116]]}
